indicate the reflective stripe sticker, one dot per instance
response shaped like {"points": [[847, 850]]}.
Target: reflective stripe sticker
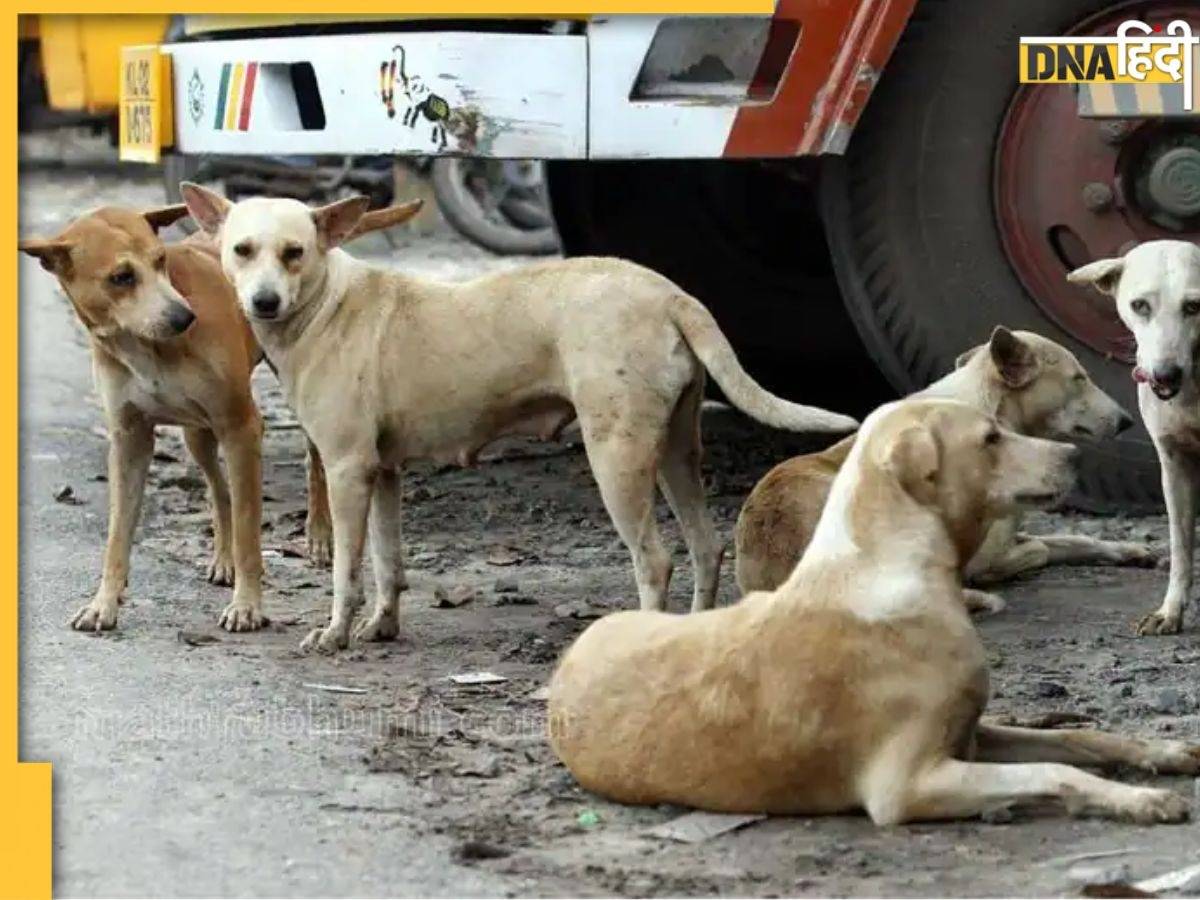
{"points": [[221, 96], [247, 97], [235, 91]]}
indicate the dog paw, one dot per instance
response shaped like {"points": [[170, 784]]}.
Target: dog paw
{"points": [[983, 602], [380, 627], [1174, 758], [242, 617], [1141, 556], [324, 640], [95, 617], [1154, 806], [1157, 623], [220, 570], [320, 544]]}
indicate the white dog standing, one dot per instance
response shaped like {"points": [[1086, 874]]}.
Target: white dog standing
{"points": [[382, 367], [1157, 289]]}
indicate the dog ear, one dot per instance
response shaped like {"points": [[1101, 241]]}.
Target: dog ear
{"points": [[913, 458], [1103, 274], [208, 208], [55, 256], [335, 222], [165, 215], [378, 219], [1015, 360]]}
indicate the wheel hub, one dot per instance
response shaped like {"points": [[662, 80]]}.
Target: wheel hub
{"points": [[1070, 190], [1173, 182]]}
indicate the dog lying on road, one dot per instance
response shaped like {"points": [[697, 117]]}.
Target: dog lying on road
{"points": [[1033, 386], [1156, 286], [170, 346], [859, 683], [381, 367]]}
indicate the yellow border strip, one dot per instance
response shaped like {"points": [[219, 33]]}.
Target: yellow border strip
{"points": [[25, 824], [552, 9]]}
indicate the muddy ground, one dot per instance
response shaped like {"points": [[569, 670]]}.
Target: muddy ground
{"points": [[189, 761]]}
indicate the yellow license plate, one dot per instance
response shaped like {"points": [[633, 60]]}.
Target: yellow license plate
{"points": [[145, 116]]}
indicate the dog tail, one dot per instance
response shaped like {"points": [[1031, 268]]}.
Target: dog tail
{"points": [[710, 345]]}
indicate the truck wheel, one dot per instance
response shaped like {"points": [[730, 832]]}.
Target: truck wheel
{"points": [[965, 198], [499, 205]]}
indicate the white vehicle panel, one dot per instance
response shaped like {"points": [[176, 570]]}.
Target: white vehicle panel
{"points": [[622, 128], [496, 95]]}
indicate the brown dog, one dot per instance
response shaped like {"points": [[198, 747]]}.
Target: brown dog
{"points": [[859, 683], [1033, 386], [170, 345]]}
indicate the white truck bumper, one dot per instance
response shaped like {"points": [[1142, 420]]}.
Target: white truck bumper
{"points": [[496, 95]]}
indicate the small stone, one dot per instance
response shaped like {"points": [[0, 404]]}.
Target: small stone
{"points": [[459, 595], [470, 851], [506, 586], [503, 556], [1172, 701], [66, 494], [1049, 690], [513, 600]]}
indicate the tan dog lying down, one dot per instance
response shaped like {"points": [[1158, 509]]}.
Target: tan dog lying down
{"points": [[382, 367], [170, 346], [1033, 386], [858, 684]]}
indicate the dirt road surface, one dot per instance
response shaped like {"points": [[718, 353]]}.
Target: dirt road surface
{"points": [[188, 761]]}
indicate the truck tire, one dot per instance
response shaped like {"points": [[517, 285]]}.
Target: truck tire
{"points": [[512, 228], [918, 235]]}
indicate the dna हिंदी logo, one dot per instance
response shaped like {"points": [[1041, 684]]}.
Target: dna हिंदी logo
{"points": [[1138, 54]]}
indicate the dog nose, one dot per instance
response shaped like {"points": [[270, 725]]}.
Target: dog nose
{"points": [[1166, 380], [1124, 423], [266, 304], [179, 317]]}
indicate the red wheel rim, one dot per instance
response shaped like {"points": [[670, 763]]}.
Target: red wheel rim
{"points": [[1067, 189]]}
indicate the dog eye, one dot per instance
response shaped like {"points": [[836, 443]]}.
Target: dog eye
{"points": [[1080, 378], [291, 253], [1140, 306], [245, 249], [991, 438], [124, 277], [160, 262], [1191, 307]]}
